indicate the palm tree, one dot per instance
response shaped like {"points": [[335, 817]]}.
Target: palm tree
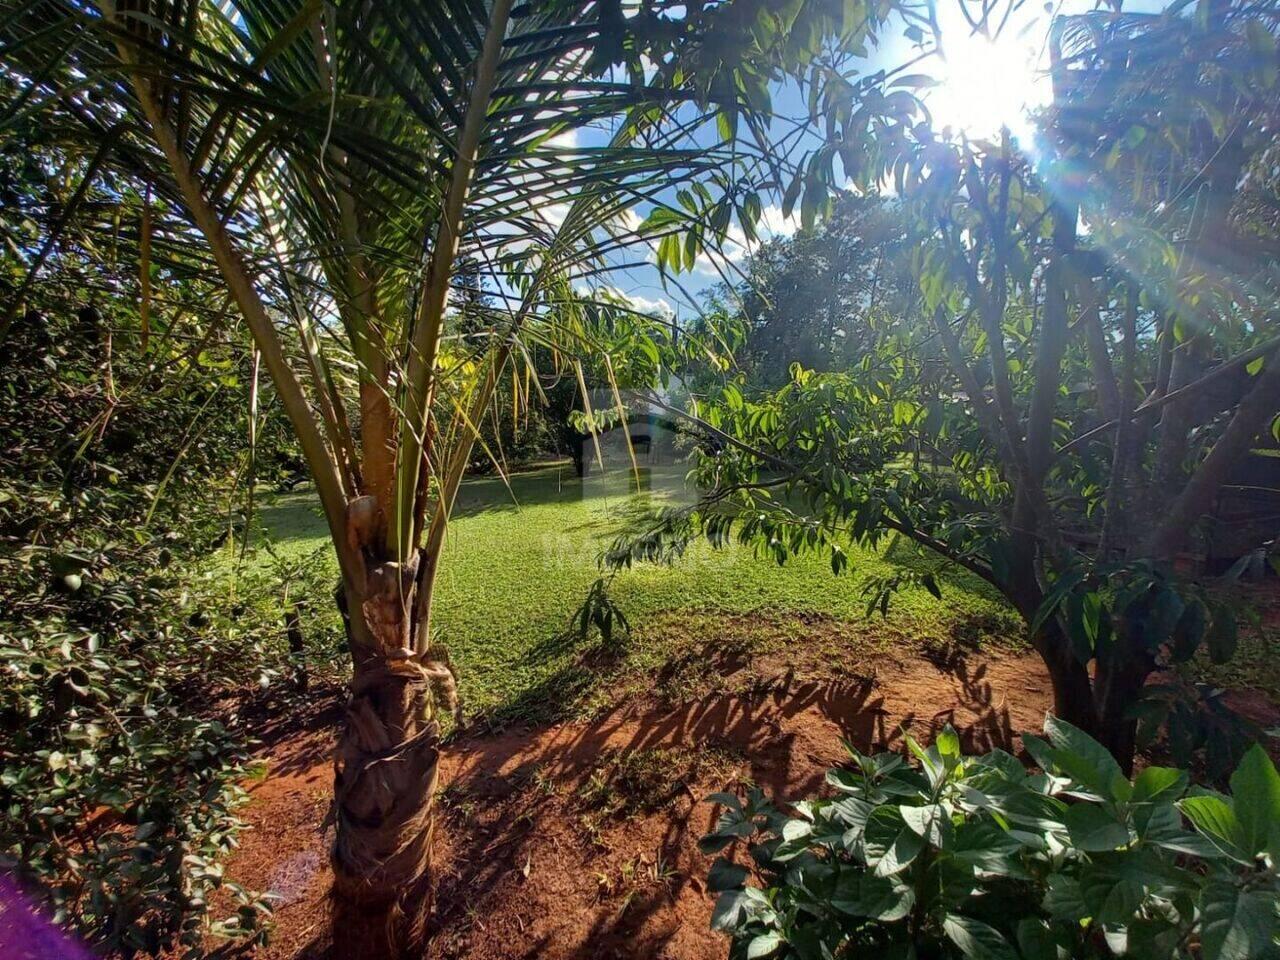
{"points": [[331, 163]]}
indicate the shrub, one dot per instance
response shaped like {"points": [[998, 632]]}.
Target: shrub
{"points": [[117, 793], [114, 799], [976, 857]]}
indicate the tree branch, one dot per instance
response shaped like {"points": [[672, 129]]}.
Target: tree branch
{"points": [[1264, 349], [1251, 418]]}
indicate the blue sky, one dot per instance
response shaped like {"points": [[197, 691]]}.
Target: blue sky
{"points": [[981, 85]]}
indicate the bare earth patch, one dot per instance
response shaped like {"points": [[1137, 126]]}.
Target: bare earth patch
{"points": [[579, 840]]}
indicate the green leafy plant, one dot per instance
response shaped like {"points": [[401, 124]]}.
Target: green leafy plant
{"points": [[976, 857], [118, 793], [115, 799]]}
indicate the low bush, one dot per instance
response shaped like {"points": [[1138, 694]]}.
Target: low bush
{"points": [[977, 858], [117, 792], [115, 802]]}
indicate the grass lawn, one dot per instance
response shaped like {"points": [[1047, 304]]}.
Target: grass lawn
{"points": [[519, 562]]}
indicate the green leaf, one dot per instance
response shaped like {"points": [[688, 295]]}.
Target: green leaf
{"points": [[1094, 830], [1188, 632], [764, 945], [1237, 924], [1086, 761], [930, 822], [915, 81], [1213, 817], [1255, 789], [1040, 752], [877, 898], [729, 911], [976, 940], [1061, 589], [1154, 781], [1116, 890], [906, 847], [796, 830], [1036, 941], [725, 875], [792, 194], [930, 583], [729, 800], [948, 743], [1064, 899]]}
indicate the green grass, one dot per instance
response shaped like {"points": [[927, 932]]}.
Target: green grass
{"points": [[514, 571]]}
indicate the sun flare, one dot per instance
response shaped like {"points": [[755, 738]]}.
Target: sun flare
{"points": [[985, 84]]}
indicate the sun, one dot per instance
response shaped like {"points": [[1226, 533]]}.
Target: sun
{"points": [[986, 84]]}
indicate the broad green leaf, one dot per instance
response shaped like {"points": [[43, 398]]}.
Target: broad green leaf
{"points": [[725, 800], [1086, 761], [977, 940], [1189, 632], [1214, 817], [877, 898], [796, 830], [1154, 781], [1036, 941], [906, 847], [845, 780], [1095, 830], [1115, 888], [930, 822], [766, 944], [725, 875], [1255, 789], [1041, 752], [1237, 924], [1064, 899], [948, 744], [729, 911]]}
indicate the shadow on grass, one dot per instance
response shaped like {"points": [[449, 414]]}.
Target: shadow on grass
{"points": [[591, 666], [559, 695]]}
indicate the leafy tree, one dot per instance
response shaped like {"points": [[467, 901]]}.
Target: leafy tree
{"points": [[1086, 394], [819, 298]]}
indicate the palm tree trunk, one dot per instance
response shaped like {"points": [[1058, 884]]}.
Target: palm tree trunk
{"points": [[384, 791], [385, 774]]}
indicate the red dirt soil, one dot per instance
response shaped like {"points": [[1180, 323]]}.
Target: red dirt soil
{"points": [[541, 854]]}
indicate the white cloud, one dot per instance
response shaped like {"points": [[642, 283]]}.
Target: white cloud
{"points": [[735, 248], [659, 307], [565, 140]]}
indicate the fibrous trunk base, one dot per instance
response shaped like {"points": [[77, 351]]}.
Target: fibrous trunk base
{"points": [[385, 781]]}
